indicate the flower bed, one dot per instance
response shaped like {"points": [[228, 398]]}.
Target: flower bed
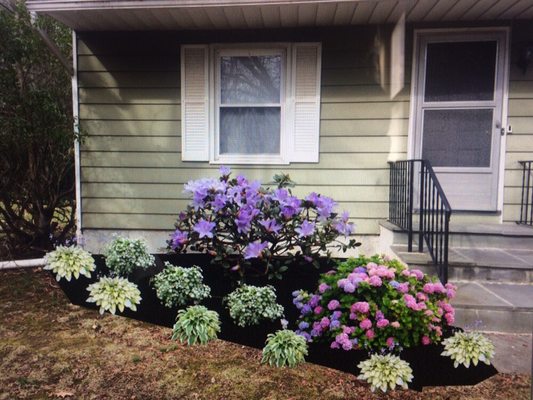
{"points": [[429, 367], [252, 261]]}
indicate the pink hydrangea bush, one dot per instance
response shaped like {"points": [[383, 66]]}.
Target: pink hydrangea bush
{"points": [[375, 304], [243, 224]]}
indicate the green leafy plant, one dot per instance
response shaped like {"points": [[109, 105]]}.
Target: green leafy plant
{"points": [[284, 348], [123, 255], [385, 372], [249, 305], [177, 286], [468, 347], [196, 324], [112, 293], [68, 262]]}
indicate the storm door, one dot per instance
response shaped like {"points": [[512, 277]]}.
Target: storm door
{"points": [[458, 114]]}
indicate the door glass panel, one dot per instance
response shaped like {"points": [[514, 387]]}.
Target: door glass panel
{"points": [[460, 71], [457, 138], [250, 80], [250, 130]]}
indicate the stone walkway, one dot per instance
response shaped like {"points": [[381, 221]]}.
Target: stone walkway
{"points": [[513, 353]]}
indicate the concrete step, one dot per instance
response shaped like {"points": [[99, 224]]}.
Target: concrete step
{"points": [[508, 236], [476, 264], [494, 307]]}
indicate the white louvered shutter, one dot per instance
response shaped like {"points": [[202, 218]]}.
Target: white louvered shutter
{"points": [[306, 66], [194, 103]]}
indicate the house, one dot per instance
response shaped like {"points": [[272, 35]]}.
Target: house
{"points": [[327, 91]]}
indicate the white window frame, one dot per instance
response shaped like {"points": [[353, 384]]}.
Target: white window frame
{"points": [[220, 50]]}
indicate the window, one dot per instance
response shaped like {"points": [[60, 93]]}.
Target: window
{"points": [[248, 104]]}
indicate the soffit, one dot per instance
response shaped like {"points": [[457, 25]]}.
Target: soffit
{"points": [[84, 15]]}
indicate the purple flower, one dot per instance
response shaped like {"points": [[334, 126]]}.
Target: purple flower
{"points": [[349, 287], [333, 305], [254, 250], [306, 309], [324, 322], [312, 198], [219, 202], [224, 171], [336, 315], [303, 325], [334, 324], [344, 228], [280, 195], [288, 212], [325, 207], [179, 238], [306, 229], [270, 225], [204, 228]]}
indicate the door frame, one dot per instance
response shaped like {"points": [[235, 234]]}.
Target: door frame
{"points": [[415, 96]]}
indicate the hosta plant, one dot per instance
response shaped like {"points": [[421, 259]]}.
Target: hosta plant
{"points": [[68, 262], [196, 324], [247, 227], [385, 372], [284, 348], [466, 348], [178, 286], [249, 305], [375, 304], [123, 255], [112, 293]]}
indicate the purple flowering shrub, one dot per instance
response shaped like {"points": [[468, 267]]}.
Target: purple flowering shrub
{"points": [[244, 225], [375, 304]]}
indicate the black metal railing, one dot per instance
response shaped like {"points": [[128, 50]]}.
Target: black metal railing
{"points": [[415, 187], [526, 204]]}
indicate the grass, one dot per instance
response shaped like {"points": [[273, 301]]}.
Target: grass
{"points": [[50, 349]]}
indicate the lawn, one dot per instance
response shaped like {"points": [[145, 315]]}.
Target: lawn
{"points": [[50, 349]]}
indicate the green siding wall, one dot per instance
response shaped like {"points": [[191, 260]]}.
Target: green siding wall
{"points": [[132, 173], [129, 94], [520, 142]]}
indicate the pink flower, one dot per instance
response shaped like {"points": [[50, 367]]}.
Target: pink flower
{"points": [[370, 334], [371, 265], [382, 323], [403, 287], [342, 282], [334, 345], [417, 274], [428, 313], [360, 306], [324, 322], [365, 324], [347, 345], [395, 324], [429, 288], [421, 296], [348, 330], [426, 340], [375, 281], [450, 318], [390, 342], [318, 310], [323, 287], [353, 316], [333, 305]]}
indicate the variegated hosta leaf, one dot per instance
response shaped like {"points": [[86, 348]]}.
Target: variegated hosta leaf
{"points": [[249, 305], [385, 371], [123, 255], [68, 262], [466, 348], [112, 293]]}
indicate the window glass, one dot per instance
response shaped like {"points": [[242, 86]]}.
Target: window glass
{"points": [[250, 104], [250, 130], [457, 138], [460, 71], [253, 79]]}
